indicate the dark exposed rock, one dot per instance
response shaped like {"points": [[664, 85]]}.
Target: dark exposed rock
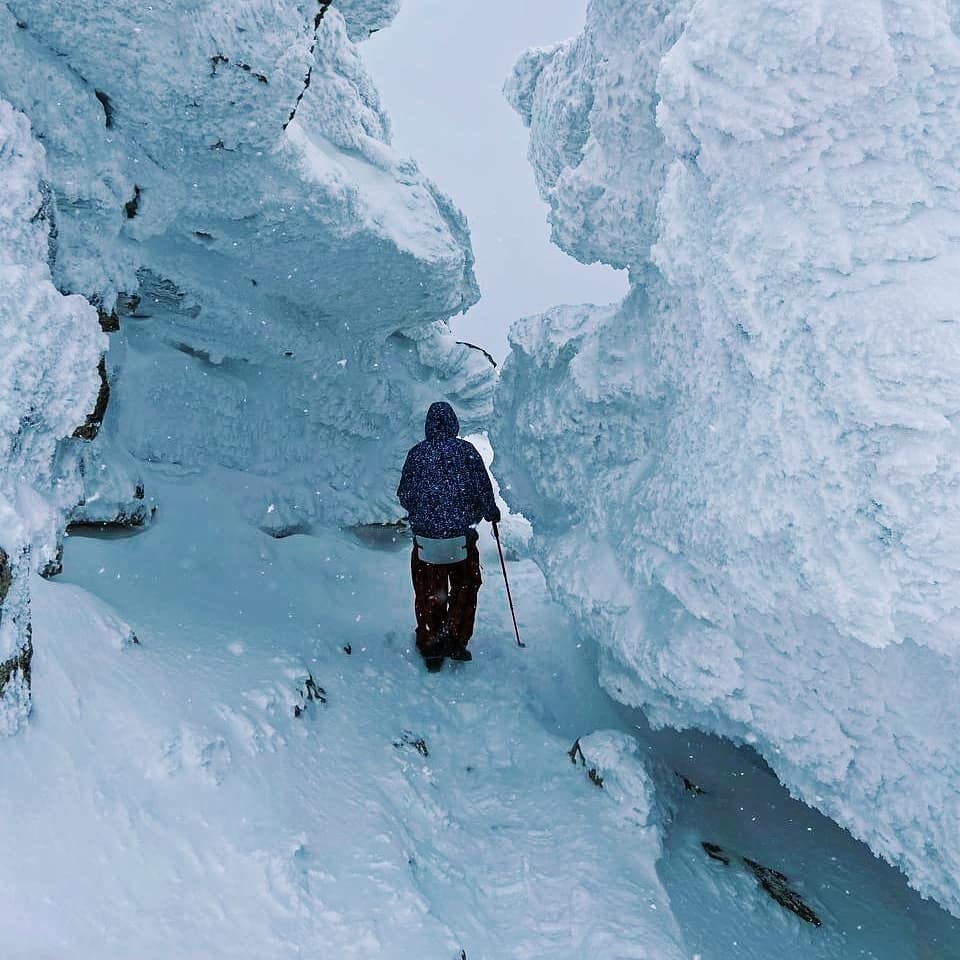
{"points": [[775, 884], [47, 213], [91, 428], [778, 887], [132, 207], [54, 566], [218, 58], [473, 346], [310, 693], [6, 576], [290, 530], [576, 753], [317, 20], [130, 517], [409, 739], [715, 852], [109, 322], [107, 107], [108, 529], [690, 786], [127, 303], [17, 666]]}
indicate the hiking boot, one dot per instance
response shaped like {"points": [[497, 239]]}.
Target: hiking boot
{"points": [[459, 653], [433, 653]]}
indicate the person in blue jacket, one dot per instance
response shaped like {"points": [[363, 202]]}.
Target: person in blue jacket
{"points": [[446, 491]]}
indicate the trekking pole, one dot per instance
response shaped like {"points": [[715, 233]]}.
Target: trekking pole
{"points": [[503, 567]]}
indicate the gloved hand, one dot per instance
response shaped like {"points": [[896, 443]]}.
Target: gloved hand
{"points": [[495, 516]]}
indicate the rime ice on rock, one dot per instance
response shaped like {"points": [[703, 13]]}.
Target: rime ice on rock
{"points": [[262, 249], [234, 253], [743, 477], [48, 382]]}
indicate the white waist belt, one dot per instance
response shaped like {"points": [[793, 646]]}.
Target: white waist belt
{"points": [[450, 550]]}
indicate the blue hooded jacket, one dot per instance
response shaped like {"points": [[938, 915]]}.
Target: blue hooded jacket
{"points": [[444, 486]]}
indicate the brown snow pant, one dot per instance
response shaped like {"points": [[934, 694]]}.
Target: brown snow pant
{"points": [[445, 601]]}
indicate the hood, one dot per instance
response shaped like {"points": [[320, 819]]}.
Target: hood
{"points": [[441, 421]]}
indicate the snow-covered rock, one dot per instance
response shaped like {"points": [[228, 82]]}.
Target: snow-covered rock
{"points": [[48, 383], [364, 17], [217, 180], [743, 479], [232, 167]]}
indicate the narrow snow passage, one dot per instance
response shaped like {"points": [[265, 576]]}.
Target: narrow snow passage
{"points": [[407, 816], [207, 820]]}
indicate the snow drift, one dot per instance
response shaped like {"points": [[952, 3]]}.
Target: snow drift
{"points": [[217, 181], [743, 479]]}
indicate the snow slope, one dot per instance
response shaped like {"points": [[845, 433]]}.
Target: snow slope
{"points": [[743, 478]]}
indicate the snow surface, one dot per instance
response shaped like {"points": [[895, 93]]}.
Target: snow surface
{"points": [[207, 820], [169, 801], [743, 479]]}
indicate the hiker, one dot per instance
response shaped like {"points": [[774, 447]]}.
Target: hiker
{"points": [[446, 491]]}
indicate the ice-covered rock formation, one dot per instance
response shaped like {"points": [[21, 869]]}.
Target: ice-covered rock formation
{"points": [[48, 383], [275, 279], [744, 478]]}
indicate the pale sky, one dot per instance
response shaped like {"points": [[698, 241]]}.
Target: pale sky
{"points": [[440, 68]]}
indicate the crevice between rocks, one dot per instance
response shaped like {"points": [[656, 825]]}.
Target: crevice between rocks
{"points": [[89, 430], [317, 21]]}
